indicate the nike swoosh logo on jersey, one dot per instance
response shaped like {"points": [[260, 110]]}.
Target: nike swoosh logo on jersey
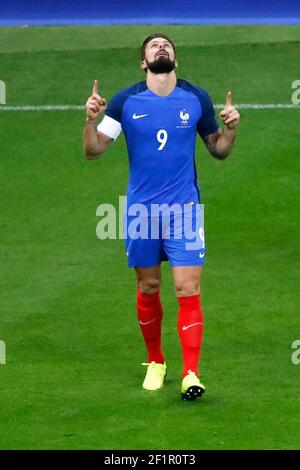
{"points": [[138, 116], [190, 326], [147, 322]]}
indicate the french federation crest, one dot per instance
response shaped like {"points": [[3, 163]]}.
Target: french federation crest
{"points": [[184, 116]]}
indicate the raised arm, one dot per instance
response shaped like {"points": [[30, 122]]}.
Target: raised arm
{"points": [[94, 142], [220, 143]]}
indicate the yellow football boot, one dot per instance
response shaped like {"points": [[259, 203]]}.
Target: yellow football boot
{"points": [[154, 376], [191, 388]]}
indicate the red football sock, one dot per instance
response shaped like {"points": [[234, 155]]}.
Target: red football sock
{"points": [[150, 315], [190, 330]]}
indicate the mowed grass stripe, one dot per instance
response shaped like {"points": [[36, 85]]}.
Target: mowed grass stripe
{"points": [[66, 78], [109, 37]]}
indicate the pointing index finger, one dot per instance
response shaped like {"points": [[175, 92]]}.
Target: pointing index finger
{"points": [[228, 99], [95, 87]]}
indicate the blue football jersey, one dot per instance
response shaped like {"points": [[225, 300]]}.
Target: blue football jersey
{"points": [[160, 133]]}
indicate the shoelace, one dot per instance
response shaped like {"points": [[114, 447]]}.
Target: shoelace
{"points": [[190, 372]]}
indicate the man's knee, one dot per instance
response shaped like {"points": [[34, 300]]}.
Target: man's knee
{"points": [[187, 288], [149, 286]]}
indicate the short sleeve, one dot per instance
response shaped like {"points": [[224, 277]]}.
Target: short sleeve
{"points": [[111, 123], [207, 123], [115, 106]]}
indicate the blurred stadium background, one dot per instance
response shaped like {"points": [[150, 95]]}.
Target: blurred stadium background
{"points": [[67, 384]]}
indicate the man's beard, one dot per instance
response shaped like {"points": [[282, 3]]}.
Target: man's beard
{"points": [[161, 65]]}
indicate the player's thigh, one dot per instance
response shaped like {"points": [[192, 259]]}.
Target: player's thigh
{"points": [[187, 280], [143, 249], [184, 240], [148, 279]]}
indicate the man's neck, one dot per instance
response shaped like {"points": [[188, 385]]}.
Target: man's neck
{"points": [[161, 84]]}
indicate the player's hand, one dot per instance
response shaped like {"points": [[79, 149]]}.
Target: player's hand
{"points": [[95, 105], [230, 115]]}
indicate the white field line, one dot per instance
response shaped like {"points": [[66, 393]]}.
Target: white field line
{"points": [[43, 107], [261, 106], [75, 107]]}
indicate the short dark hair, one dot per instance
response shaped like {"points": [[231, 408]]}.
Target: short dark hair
{"points": [[153, 36]]}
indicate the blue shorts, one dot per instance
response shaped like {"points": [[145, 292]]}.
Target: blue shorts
{"points": [[177, 237]]}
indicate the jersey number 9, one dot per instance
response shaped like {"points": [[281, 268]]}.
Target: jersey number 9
{"points": [[162, 137]]}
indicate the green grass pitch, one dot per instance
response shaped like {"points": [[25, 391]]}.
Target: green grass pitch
{"points": [[73, 374]]}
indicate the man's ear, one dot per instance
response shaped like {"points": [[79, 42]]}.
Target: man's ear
{"points": [[143, 64], [176, 64]]}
